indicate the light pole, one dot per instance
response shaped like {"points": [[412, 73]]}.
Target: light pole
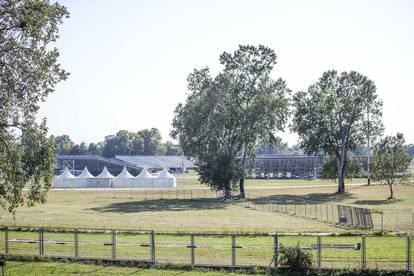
{"points": [[369, 150]]}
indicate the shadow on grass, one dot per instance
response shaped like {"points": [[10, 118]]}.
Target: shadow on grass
{"points": [[302, 199], [157, 205], [377, 202]]}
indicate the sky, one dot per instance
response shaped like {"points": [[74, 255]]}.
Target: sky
{"points": [[129, 60]]}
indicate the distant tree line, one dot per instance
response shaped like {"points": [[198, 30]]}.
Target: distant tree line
{"points": [[124, 142]]}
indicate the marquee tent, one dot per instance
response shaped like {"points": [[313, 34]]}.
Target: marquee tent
{"points": [[65, 179], [124, 180], [103, 180]]}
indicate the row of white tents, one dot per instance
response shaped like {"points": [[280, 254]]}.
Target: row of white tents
{"points": [[106, 180]]}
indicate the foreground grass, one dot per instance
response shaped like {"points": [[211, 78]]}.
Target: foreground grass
{"points": [[382, 252], [58, 268]]}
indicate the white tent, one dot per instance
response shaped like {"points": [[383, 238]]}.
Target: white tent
{"points": [[66, 174], [144, 174], [124, 180], [124, 174], [103, 180], [105, 174], [65, 180], [165, 180], [86, 174], [83, 179]]}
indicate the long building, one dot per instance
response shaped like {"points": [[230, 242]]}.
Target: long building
{"points": [[94, 163], [284, 166], [262, 167]]}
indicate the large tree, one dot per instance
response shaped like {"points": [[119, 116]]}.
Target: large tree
{"points": [[225, 116], [152, 141], [29, 71], [123, 143], [331, 116], [390, 161]]}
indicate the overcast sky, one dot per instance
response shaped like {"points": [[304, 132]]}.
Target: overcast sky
{"points": [[129, 60]]}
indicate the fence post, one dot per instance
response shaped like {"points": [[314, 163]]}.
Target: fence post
{"points": [[327, 213], [113, 245], [305, 210], [76, 241], [152, 237], [192, 250], [6, 240], [412, 223], [363, 253], [41, 244], [233, 250], [318, 252], [276, 249], [397, 221], [409, 253], [382, 220]]}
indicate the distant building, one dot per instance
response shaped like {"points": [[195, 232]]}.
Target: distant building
{"points": [[134, 163], [174, 163], [284, 166], [94, 163]]}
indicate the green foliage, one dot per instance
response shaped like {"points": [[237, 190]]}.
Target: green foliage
{"points": [[225, 116], [390, 161], [29, 72], [353, 168], [295, 258], [331, 116]]}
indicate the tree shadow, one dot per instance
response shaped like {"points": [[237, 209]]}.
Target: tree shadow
{"points": [[318, 198], [377, 202], [156, 205]]}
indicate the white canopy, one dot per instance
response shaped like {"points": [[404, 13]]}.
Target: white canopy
{"points": [[144, 174], [165, 174], [124, 174], [66, 174], [85, 174], [105, 174]]}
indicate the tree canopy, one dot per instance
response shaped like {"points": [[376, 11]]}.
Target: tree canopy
{"points": [[225, 116], [331, 116], [29, 72], [124, 142], [390, 161]]}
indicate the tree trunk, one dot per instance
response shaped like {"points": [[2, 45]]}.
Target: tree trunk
{"points": [[341, 175], [391, 191], [241, 181], [227, 191]]}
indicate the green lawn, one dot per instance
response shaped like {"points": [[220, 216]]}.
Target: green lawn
{"points": [[137, 209], [61, 269]]}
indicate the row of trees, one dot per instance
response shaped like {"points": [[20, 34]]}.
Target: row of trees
{"points": [[227, 115], [124, 142]]}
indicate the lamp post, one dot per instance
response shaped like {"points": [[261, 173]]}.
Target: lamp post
{"points": [[369, 150]]}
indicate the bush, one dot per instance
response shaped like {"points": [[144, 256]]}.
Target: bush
{"points": [[295, 258]]}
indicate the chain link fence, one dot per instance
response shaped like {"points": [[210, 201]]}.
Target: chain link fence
{"points": [[206, 249], [384, 220]]}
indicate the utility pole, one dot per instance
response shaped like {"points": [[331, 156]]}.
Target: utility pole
{"points": [[369, 150]]}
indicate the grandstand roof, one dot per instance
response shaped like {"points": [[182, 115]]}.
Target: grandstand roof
{"points": [[151, 161]]}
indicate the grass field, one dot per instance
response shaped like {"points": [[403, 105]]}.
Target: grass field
{"points": [[137, 209], [61, 269]]}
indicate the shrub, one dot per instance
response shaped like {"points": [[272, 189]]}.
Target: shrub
{"points": [[295, 258]]}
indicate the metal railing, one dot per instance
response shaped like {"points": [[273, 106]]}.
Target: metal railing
{"points": [[206, 249]]}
